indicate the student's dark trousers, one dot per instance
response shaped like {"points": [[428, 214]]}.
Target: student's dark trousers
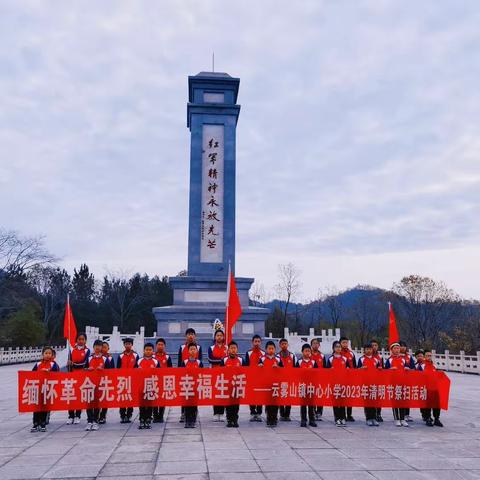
{"points": [[126, 412], [285, 411], [232, 413], [92, 415], [370, 413], [319, 410], [191, 414], [75, 413], [145, 414], [218, 409], [311, 413], [339, 413], [158, 413], [399, 413], [428, 412], [272, 413], [103, 413], [256, 409], [40, 419]]}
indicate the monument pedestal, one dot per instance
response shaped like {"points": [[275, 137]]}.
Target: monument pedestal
{"points": [[198, 301]]}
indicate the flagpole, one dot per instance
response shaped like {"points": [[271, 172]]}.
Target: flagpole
{"points": [[68, 339], [227, 331]]}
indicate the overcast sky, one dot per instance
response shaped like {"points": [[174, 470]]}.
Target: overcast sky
{"points": [[358, 140]]}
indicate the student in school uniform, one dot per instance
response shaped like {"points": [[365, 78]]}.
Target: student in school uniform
{"points": [[396, 361], [352, 363], [232, 360], [216, 353], [192, 362], [77, 360], [271, 360], [190, 337], [427, 365], [96, 361], [369, 361], [147, 362], [289, 360], [127, 359], [319, 358], [252, 359], [307, 362], [339, 362], [410, 364], [165, 361], [376, 354], [46, 364], [102, 418]]}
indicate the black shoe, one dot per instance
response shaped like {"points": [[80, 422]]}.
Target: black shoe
{"points": [[287, 419], [429, 422], [34, 429], [128, 420], [379, 419], [156, 420], [438, 423], [102, 421], [235, 425], [303, 423], [229, 424], [160, 420], [350, 419], [141, 426], [43, 428], [182, 418], [123, 420], [283, 419], [312, 423]]}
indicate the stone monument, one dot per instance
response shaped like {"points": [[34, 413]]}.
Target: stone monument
{"points": [[200, 296]]}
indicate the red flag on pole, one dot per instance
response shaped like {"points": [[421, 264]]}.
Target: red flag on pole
{"points": [[393, 335], [69, 327], [233, 309]]}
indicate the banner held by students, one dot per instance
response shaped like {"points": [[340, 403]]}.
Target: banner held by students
{"points": [[40, 391]]}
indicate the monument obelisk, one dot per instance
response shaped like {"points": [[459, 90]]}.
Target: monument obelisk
{"points": [[200, 296]]}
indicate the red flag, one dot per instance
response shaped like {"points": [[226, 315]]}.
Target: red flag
{"points": [[234, 309], [393, 335], [69, 327]]}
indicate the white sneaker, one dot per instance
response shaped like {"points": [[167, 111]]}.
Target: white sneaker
{"points": [[89, 427], [69, 421], [220, 418], [404, 423], [338, 423], [94, 426], [397, 423], [375, 423], [408, 418], [370, 423], [344, 422], [76, 420]]}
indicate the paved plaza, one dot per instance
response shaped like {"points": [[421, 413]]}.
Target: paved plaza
{"points": [[251, 452]]}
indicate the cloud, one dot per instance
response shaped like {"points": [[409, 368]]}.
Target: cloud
{"points": [[358, 136]]}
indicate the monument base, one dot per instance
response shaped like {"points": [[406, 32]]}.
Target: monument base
{"points": [[198, 302]]}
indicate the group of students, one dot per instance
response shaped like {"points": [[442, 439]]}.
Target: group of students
{"points": [[222, 355]]}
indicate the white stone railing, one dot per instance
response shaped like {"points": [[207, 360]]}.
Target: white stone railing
{"points": [[295, 341], [10, 355], [445, 361]]}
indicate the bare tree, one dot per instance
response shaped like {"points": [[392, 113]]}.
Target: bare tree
{"points": [[258, 294], [334, 305], [21, 254], [288, 286], [429, 304]]}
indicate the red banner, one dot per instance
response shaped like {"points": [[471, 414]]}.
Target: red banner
{"points": [[81, 389]]}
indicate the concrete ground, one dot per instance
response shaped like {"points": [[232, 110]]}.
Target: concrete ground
{"points": [[252, 452]]}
